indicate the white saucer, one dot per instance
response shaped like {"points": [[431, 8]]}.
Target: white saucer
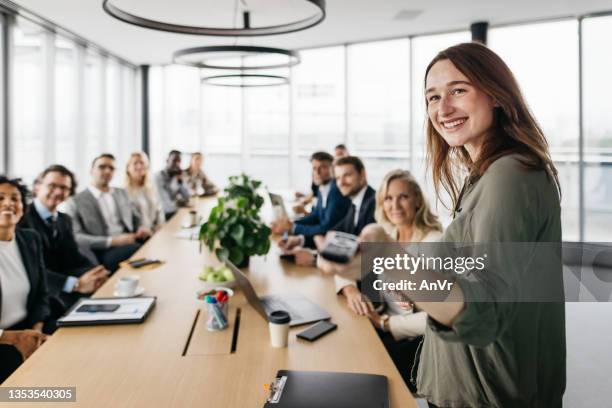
{"points": [[139, 291]]}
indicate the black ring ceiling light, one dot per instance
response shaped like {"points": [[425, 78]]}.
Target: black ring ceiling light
{"points": [[246, 31], [236, 57], [245, 80]]}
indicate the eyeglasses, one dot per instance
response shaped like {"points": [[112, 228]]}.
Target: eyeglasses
{"points": [[53, 186]]}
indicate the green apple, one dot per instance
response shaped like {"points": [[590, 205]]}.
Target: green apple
{"points": [[228, 274]]}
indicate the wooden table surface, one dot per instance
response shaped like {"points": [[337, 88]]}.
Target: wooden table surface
{"points": [[154, 365]]}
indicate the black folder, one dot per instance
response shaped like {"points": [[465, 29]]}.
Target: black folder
{"points": [[320, 389]]}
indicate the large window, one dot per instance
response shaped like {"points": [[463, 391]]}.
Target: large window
{"points": [[28, 104], [68, 104], [318, 87], [175, 111], [597, 85], [547, 72], [370, 96], [379, 96]]}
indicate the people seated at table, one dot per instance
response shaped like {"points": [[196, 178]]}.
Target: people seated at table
{"points": [[403, 215], [341, 151], [103, 218], [171, 186], [351, 179], [23, 288], [70, 274], [331, 205], [197, 181], [142, 192]]}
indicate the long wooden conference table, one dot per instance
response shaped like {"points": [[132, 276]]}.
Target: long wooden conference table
{"points": [[171, 360]]}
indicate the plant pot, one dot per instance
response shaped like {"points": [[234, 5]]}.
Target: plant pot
{"points": [[244, 263]]}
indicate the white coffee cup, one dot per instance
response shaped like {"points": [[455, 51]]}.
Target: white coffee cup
{"points": [[127, 285], [193, 217], [279, 328]]}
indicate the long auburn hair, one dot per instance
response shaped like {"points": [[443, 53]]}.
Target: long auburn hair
{"points": [[424, 219], [514, 130]]}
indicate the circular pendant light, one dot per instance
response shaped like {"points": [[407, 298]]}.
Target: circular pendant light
{"points": [[236, 57], [248, 29], [245, 80]]}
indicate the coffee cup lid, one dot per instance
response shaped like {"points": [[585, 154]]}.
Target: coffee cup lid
{"points": [[279, 317]]}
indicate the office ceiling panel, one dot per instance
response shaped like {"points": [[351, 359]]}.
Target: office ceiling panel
{"points": [[347, 20]]}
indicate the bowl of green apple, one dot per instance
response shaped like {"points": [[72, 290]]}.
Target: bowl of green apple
{"points": [[212, 277]]}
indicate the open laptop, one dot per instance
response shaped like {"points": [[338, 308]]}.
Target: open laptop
{"points": [[278, 206], [300, 309]]}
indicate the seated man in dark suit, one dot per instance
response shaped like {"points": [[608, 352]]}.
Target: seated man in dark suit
{"points": [[330, 209], [103, 218], [352, 182], [69, 273]]}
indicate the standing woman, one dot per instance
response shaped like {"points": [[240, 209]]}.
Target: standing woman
{"points": [[24, 301], [493, 354], [141, 191]]}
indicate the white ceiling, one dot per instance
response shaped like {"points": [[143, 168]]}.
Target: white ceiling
{"points": [[347, 21]]}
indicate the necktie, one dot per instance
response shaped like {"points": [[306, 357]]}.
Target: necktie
{"points": [[52, 223], [355, 215]]}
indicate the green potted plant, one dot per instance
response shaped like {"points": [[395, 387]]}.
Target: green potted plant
{"points": [[234, 229]]}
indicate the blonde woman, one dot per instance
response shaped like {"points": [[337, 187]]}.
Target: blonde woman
{"points": [[141, 191], [402, 215]]}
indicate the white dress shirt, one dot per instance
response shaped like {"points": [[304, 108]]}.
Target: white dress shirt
{"points": [[324, 190], [15, 285], [402, 323], [109, 210], [357, 201]]}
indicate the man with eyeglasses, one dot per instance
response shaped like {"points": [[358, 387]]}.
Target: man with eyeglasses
{"points": [[103, 218], [70, 274]]}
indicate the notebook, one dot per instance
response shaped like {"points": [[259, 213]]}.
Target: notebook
{"points": [[129, 310]]}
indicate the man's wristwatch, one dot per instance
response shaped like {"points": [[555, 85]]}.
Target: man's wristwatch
{"points": [[384, 321], [75, 288]]}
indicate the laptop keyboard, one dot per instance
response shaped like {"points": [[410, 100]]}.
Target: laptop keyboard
{"points": [[273, 304]]}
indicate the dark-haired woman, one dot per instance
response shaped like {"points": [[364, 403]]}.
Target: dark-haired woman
{"points": [[23, 288]]}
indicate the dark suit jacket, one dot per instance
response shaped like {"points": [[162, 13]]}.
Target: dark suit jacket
{"points": [[366, 215], [61, 254], [321, 220], [31, 252], [347, 223], [11, 359]]}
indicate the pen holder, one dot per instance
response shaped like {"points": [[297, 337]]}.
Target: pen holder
{"points": [[216, 315]]}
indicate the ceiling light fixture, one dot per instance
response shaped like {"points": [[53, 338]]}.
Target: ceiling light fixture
{"points": [[236, 57], [248, 29], [245, 80]]}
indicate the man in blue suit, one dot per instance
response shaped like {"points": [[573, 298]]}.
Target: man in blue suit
{"points": [[330, 209]]}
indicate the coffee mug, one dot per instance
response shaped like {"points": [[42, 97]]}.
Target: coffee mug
{"points": [[127, 285], [193, 217], [278, 322]]}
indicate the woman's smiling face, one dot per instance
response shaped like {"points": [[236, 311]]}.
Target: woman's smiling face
{"points": [[461, 113], [11, 206]]}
